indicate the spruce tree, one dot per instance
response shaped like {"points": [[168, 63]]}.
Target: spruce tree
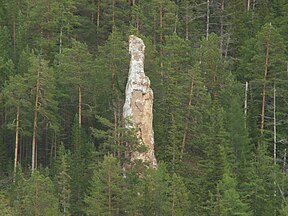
{"points": [[35, 195], [169, 128], [75, 79], [230, 201], [63, 179], [105, 193], [81, 165], [179, 196]]}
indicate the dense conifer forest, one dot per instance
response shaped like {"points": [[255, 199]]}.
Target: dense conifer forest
{"points": [[219, 72]]}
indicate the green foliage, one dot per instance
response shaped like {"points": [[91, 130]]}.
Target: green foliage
{"points": [[155, 188], [75, 63], [264, 196], [174, 72], [179, 197], [212, 65], [230, 202], [214, 159], [105, 193], [112, 72], [5, 207], [80, 168], [35, 195], [63, 179]]}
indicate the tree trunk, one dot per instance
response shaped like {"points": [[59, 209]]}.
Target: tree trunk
{"points": [[284, 162], [274, 127], [46, 143], [115, 126], [20, 6], [264, 87], [119, 134], [187, 21], [245, 104], [49, 34], [248, 5], [208, 19], [187, 120], [176, 17], [28, 10], [14, 37], [109, 194], [98, 13], [221, 27], [92, 13], [155, 29], [253, 7], [161, 35], [113, 13], [60, 40], [274, 142], [80, 106], [34, 143], [16, 142], [227, 47], [115, 108]]}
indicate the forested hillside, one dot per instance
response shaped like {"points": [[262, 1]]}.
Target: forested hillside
{"points": [[219, 72]]}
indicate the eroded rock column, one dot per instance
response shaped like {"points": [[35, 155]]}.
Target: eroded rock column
{"points": [[138, 107]]}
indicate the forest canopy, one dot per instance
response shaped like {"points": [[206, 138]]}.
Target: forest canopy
{"points": [[219, 72]]}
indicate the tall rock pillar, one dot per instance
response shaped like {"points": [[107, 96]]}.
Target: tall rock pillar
{"points": [[138, 107]]}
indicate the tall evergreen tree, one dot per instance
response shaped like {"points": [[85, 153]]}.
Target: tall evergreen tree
{"points": [[105, 194], [75, 75], [63, 180], [81, 166], [42, 84], [35, 196]]}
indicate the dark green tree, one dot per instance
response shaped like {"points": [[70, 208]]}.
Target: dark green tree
{"points": [[35, 195], [75, 78], [230, 201], [81, 166], [105, 193], [63, 179]]}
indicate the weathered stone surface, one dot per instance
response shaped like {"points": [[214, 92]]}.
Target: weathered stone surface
{"points": [[138, 107]]}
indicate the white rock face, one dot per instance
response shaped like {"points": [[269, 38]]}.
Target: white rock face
{"points": [[138, 107]]}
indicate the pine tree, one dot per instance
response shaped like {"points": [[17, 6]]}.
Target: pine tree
{"points": [[42, 83], [81, 166], [267, 58], [155, 188], [105, 193], [63, 179], [112, 70], [18, 103], [75, 63], [50, 26], [264, 196], [212, 66], [176, 63], [6, 69], [179, 197], [35, 196], [230, 202]]}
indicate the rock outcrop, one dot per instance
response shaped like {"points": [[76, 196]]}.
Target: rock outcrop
{"points": [[138, 107]]}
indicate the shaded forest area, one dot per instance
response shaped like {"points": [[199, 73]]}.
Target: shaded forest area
{"points": [[219, 72]]}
